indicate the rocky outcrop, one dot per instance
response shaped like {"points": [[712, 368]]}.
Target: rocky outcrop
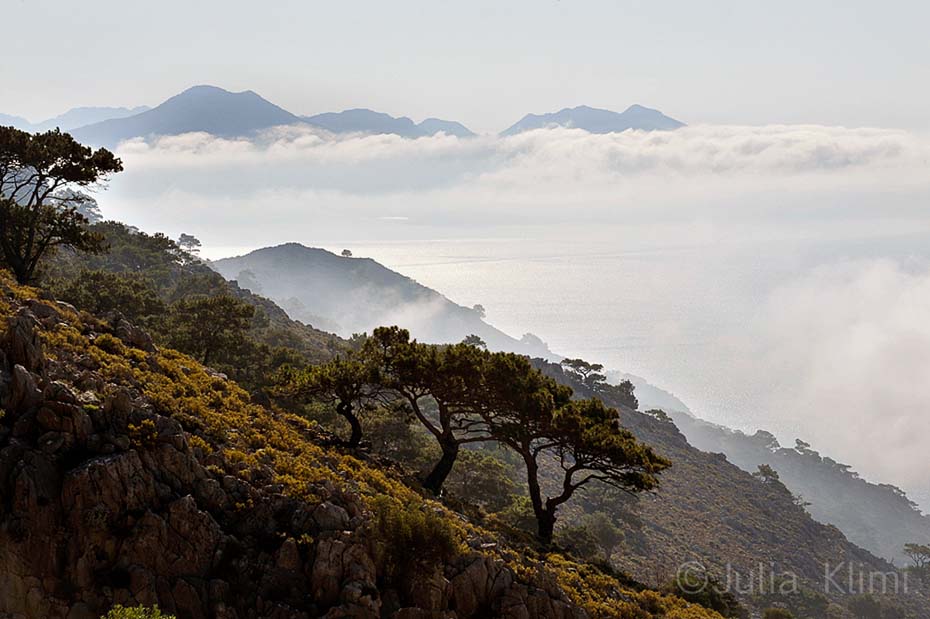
{"points": [[105, 501]]}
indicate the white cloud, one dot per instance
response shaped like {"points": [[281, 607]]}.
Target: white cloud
{"points": [[840, 356], [343, 184]]}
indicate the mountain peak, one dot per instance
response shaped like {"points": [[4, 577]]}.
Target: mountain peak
{"points": [[200, 108], [362, 120], [597, 120], [204, 88]]}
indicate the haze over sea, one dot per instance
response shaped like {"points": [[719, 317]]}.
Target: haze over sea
{"points": [[771, 277]]}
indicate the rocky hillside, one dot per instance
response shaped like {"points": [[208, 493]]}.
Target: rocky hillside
{"points": [[711, 513], [132, 474], [879, 517]]}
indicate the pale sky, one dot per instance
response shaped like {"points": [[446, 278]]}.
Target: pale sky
{"points": [[483, 62]]}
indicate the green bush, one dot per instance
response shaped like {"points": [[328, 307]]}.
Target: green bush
{"points": [[777, 613], [136, 612], [707, 591], [482, 478], [411, 538], [99, 292]]}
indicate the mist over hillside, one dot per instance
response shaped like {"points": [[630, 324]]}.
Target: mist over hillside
{"points": [[701, 258], [361, 294], [878, 517], [354, 295]]}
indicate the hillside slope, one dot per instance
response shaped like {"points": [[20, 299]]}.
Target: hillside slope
{"points": [[706, 509], [357, 294], [711, 512], [135, 475], [875, 516], [878, 517]]}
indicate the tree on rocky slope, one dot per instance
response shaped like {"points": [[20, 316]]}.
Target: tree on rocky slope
{"points": [[189, 243], [592, 378], [447, 378], [919, 554], [39, 204], [101, 292], [346, 383], [581, 439], [463, 394], [766, 474], [206, 327]]}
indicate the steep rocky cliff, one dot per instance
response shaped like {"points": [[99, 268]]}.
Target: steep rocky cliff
{"points": [[134, 475]]}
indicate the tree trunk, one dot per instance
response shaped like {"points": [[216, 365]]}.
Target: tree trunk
{"points": [[437, 477], [545, 517], [21, 270], [545, 522], [355, 438]]}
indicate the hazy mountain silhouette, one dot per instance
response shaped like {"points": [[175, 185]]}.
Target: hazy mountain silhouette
{"points": [[432, 126], [596, 120], [73, 118], [80, 116], [368, 121], [6, 120], [354, 295], [201, 108]]}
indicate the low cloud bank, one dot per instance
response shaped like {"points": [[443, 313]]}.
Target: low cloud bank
{"points": [[297, 177]]}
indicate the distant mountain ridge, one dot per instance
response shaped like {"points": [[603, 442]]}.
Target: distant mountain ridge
{"points": [[594, 120], [201, 108], [219, 112], [368, 121], [7, 120], [222, 113], [361, 294], [73, 118]]}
